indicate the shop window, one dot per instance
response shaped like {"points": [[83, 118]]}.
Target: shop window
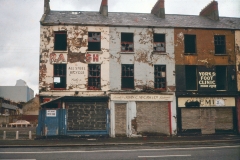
{"points": [[159, 43], [191, 77], [94, 76], [127, 76], [94, 41], [59, 76], [127, 42], [160, 77], [60, 41], [220, 46], [221, 77], [190, 43]]}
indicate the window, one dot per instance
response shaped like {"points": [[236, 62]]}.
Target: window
{"points": [[94, 41], [190, 43], [59, 78], [221, 77], [159, 43], [219, 42], [127, 42], [60, 41], [160, 77], [127, 76], [94, 76], [191, 77]]}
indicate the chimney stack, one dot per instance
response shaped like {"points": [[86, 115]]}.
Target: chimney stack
{"points": [[211, 11], [159, 9], [104, 8], [46, 6]]}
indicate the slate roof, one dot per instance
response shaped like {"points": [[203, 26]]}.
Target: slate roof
{"points": [[137, 20], [9, 106]]}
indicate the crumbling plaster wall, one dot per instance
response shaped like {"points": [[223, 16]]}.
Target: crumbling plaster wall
{"points": [[237, 50], [205, 47], [143, 57], [77, 57]]}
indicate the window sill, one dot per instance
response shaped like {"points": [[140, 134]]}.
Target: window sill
{"points": [[127, 52], [58, 89], [224, 54], [58, 51], [159, 52], [99, 52], [191, 54]]}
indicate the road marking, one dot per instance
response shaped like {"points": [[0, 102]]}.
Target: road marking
{"points": [[187, 155], [133, 150]]}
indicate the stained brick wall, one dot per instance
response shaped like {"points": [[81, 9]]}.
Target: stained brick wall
{"points": [[87, 116], [120, 119], [152, 118], [207, 119]]}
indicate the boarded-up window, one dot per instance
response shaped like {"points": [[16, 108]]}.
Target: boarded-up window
{"points": [[94, 76], [220, 47], [94, 41], [221, 77], [127, 42], [159, 43], [59, 76], [191, 77], [160, 77], [190, 43], [60, 41], [127, 76]]}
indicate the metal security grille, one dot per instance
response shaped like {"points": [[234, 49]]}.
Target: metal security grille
{"points": [[94, 76], [160, 77], [127, 76]]}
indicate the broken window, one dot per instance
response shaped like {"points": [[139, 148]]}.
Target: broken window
{"points": [[127, 42], [191, 77], [59, 78], [94, 76], [127, 76], [60, 41], [94, 41], [160, 77], [221, 77], [190, 43], [159, 43], [220, 47]]}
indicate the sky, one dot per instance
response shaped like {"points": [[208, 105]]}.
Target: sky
{"points": [[20, 28]]}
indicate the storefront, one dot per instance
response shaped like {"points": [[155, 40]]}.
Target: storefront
{"points": [[142, 114]]}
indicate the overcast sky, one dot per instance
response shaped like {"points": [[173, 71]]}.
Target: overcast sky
{"points": [[20, 28]]}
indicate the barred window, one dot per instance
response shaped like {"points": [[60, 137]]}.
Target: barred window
{"points": [[94, 76], [59, 76], [160, 77]]}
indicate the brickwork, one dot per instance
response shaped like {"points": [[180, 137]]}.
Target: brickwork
{"points": [[152, 118], [120, 119], [207, 119], [87, 116]]}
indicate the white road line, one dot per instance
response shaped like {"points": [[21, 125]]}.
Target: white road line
{"points": [[133, 150], [187, 155]]}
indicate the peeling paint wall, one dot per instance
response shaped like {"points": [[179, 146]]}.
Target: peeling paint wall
{"points": [[204, 47], [237, 50], [77, 57], [143, 57]]}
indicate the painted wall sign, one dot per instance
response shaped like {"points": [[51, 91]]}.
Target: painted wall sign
{"points": [[92, 58], [58, 58], [206, 102], [51, 113], [141, 97], [76, 70], [207, 79]]}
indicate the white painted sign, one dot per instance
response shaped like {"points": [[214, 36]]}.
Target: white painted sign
{"points": [[141, 97], [51, 113], [206, 102]]}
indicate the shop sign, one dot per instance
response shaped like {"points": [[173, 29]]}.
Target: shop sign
{"points": [[51, 113], [141, 97], [206, 78], [206, 102]]}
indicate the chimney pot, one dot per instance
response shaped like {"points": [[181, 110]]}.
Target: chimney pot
{"points": [[104, 8]]}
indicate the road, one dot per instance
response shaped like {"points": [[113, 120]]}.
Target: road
{"points": [[126, 152]]}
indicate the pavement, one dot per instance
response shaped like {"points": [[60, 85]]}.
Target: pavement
{"points": [[107, 141]]}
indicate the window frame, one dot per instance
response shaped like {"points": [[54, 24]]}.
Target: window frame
{"points": [[222, 77], [94, 74], [61, 76], [125, 42], [186, 46], [157, 43], [57, 41], [92, 42], [217, 38], [127, 76], [160, 73], [188, 88]]}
